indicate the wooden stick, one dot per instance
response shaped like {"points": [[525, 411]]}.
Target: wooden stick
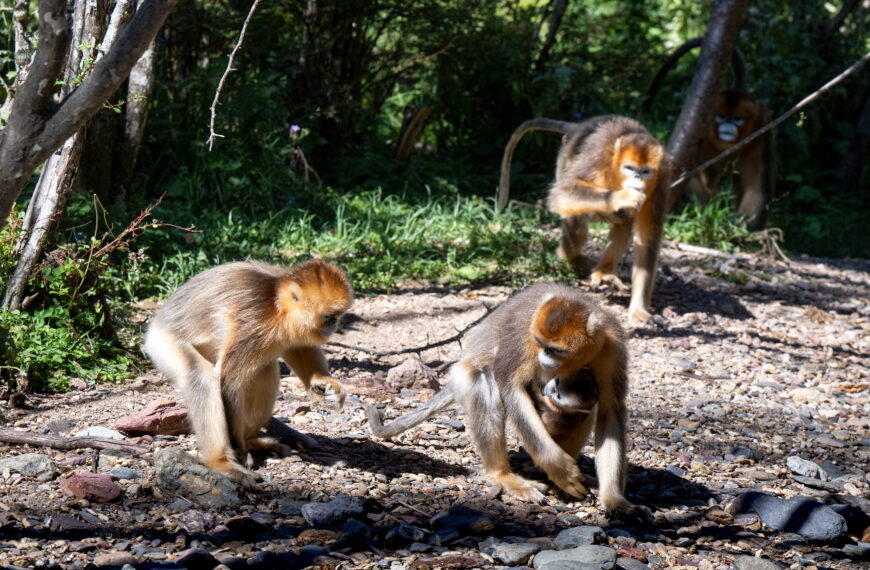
{"points": [[58, 442]]}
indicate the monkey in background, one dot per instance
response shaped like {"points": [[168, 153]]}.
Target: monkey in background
{"points": [[512, 366], [738, 115], [219, 338], [752, 168], [610, 169]]}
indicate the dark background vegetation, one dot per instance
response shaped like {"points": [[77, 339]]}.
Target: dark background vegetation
{"points": [[310, 122]]}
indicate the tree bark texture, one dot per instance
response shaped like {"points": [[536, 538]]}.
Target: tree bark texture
{"points": [[699, 108], [34, 131], [555, 23], [57, 442], [56, 180]]}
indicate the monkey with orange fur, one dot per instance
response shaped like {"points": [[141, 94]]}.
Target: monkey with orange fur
{"points": [[737, 116], [219, 338], [611, 169]]}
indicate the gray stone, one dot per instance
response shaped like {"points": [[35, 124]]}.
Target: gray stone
{"points": [[859, 551], [579, 536], [33, 465], [588, 557], [630, 564], [178, 473], [334, 512], [117, 473], [99, 431], [754, 563], [514, 554], [674, 470], [830, 469], [818, 484], [803, 467], [800, 515], [61, 425]]}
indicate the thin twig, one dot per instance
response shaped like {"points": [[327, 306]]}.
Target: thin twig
{"points": [[427, 346], [806, 101], [213, 135]]}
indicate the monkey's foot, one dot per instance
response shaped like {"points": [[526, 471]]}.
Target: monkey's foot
{"points": [[599, 277], [629, 512], [520, 487], [269, 445], [580, 264], [638, 313], [329, 391]]}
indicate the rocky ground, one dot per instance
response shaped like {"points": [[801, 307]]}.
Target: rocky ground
{"points": [[753, 378]]}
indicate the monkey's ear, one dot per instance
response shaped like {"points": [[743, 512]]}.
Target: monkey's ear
{"points": [[594, 323], [657, 152], [295, 290], [617, 144]]}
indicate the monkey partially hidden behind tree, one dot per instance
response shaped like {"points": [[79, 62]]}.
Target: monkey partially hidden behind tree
{"points": [[551, 362], [610, 169], [738, 115], [219, 338]]}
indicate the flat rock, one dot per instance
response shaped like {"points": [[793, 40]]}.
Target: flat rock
{"points": [[33, 465], [117, 473], [579, 536], [754, 563], [461, 521], [588, 557], [163, 417], [334, 512], [800, 515], [91, 486], [99, 431], [514, 554], [630, 564], [115, 558], [178, 473]]}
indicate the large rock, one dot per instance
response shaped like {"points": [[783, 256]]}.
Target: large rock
{"points": [[412, 374], [579, 536], [803, 467], [800, 515], [514, 554], [754, 563], [33, 465], [588, 557], [179, 473], [91, 486], [334, 512], [163, 417]]}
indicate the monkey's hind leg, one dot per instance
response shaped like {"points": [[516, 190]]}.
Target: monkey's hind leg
{"points": [[574, 232], [249, 407], [605, 271], [485, 418], [199, 383]]}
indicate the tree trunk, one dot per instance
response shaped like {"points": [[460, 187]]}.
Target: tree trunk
{"points": [[56, 181], [36, 128], [693, 122], [555, 23], [852, 165]]}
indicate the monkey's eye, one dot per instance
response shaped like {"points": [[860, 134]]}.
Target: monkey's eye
{"points": [[720, 119], [554, 352], [644, 171], [737, 121]]}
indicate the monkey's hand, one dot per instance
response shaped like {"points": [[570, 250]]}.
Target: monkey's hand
{"points": [[628, 200], [566, 475], [520, 487], [329, 391]]}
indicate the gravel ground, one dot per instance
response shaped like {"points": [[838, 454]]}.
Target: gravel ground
{"points": [[753, 377]]}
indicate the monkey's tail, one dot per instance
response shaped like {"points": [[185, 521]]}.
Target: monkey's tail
{"points": [[738, 66], [438, 402], [539, 124]]}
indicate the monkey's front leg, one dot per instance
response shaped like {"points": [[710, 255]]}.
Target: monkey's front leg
{"points": [[309, 364], [485, 418], [559, 466], [578, 197], [648, 229]]}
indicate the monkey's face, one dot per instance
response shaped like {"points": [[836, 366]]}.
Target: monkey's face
{"points": [[734, 113], [572, 393], [636, 163], [313, 301], [560, 336]]}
